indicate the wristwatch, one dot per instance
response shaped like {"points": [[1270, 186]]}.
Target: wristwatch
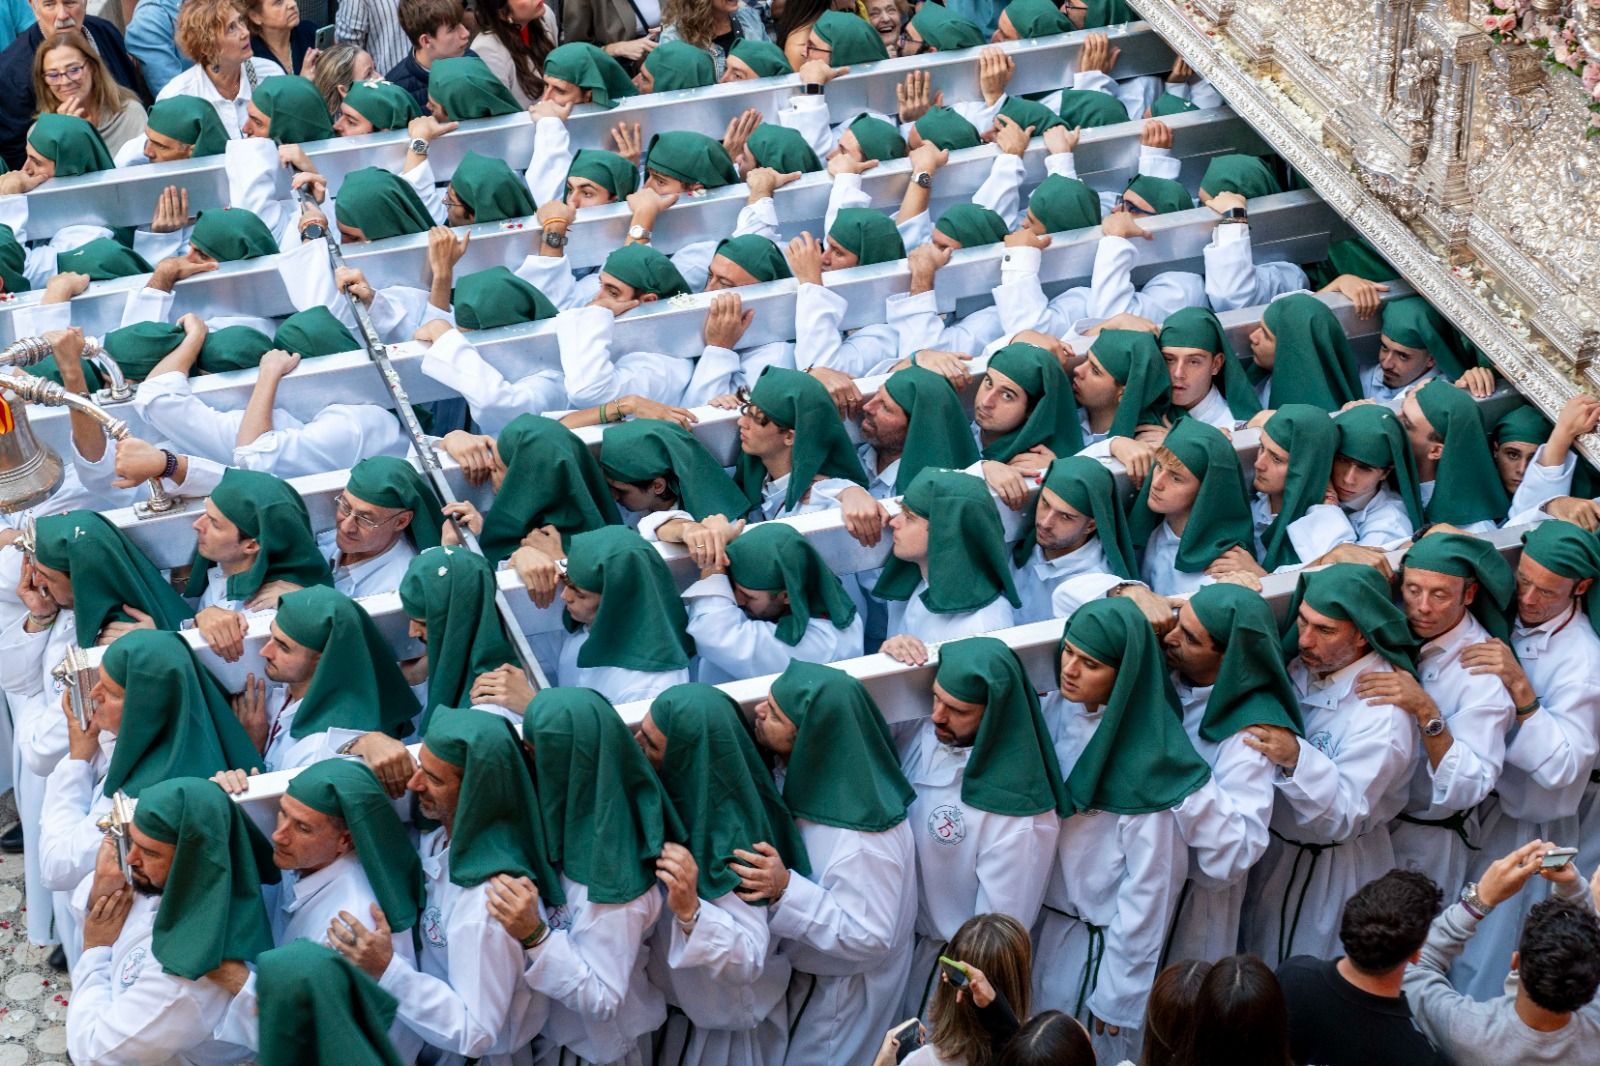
{"points": [[922, 179], [555, 238], [812, 88], [637, 232], [1474, 902], [1236, 214], [1432, 727], [419, 147], [312, 230]]}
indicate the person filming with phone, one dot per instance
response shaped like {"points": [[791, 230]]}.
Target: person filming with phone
{"points": [[1555, 969]]}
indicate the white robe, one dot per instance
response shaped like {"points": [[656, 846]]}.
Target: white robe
{"points": [[1233, 278], [1379, 521], [616, 683], [369, 577], [1038, 578], [1159, 567], [911, 616], [732, 645]]}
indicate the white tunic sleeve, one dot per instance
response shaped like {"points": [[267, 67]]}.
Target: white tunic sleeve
{"points": [[1541, 484], [588, 968], [169, 405], [853, 920], [845, 192], [1234, 280], [148, 1023], [552, 275], [452, 361], [1152, 849], [1001, 191], [1225, 821], [1556, 745], [809, 116], [729, 941], [1014, 869], [818, 313], [552, 158], [742, 646], [1478, 723], [1335, 799], [68, 837]]}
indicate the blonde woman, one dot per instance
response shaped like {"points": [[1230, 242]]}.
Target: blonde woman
{"points": [[70, 78], [713, 25], [215, 34]]}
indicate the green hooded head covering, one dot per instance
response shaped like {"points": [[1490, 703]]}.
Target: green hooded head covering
{"points": [[495, 297], [692, 158], [466, 88], [641, 623], [647, 448], [610, 171], [1036, 18], [843, 770], [1103, 13], [1053, 411], [233, 348], [756, 254], [189, 120], [1370, 434], [495, 831], [1351, 592], [851, 37], [876, 138], [139, 347], [357, 683], [1060, 203], [232, 234], [646, 270], [1412, 322], [313, 332], [1167, 104], [381, 204], [763, 57], [944, 31], [268, 510], [1012, 769], [590, 69], [1220, 517], [1570, 551], [937, 432], [490, 189], [781, 148], [1199, 327], [103, 259], [70, 143], [383, 103], [48, 369], [1090, 108], [183, 726], [800, 402], [1313, 364], [968, 567], [107, 571], [680, 65], [947, 129], [1139, 760], [1089, 488], [1468, 485], [1309, 436], [604, 812], [452, 590], [717, 783], [348, 789], [1027, 113], [1133, 358], [1246, 175], [774, 557], [1477, 560], [870, 236], [13, 259], [1252, 686], [551, 479], [1162, 194], [317, 1006], [1522, 424], [971, 225], [211, 907], [389, 481], [295, 109]]}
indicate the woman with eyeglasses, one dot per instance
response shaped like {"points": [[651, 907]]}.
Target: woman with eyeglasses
{"points": [[70, 78], [216, 36]]}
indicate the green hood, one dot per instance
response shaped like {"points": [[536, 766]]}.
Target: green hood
{"points": [[968, 567], [1309, 436], [452, 590], [1090, 108], [1480, 562], [1133, 358], [646, 271], [606, 169], [763, 57], [232, 234], [947, 129], [270, 511], [70, 143], [383, 103], [590, 69], [1572, 552], [852, 38], [970, 225], [680, 65], [1089, 488], [495, 297], [641, 623], [692, 158], [1252, 686], [937, 433], [756, 254], [643, 449], [1220, 517], [870, 236], [1199, 327], [1053, 411], [1351, 592], [466, 88], [1060, 203], [783, 149], [103, 259], [381, 204], [295, 109], [1314, 363], [800, 402], [388, 481], [313, 332], [1371, 434], [1468, 483], [1246, 175], [490, 189], [944, 31], [233, 348], [357, 683], [317, 1006], [774, 557], [107, 571], [551, 479], [192, 121]]}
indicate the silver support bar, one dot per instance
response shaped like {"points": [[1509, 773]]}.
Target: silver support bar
{"points": [[126, 197]]}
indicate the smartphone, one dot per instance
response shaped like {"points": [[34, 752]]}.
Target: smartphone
{"points": [[1556, 858], [906, 1037], [954, 972], [324, 37]]}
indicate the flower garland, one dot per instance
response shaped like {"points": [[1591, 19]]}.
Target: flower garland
{"points": [[1515, 22]]}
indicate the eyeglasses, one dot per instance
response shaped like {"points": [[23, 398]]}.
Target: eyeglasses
{"points": [[818, 52], [1124, 204], [72, 73], [341, 505], [450, 201], [750, 410]]}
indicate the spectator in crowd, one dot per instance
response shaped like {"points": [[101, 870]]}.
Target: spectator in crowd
{"points": [[215, 35], [713, 25], [889, 18], [373, 26], [1050, 1038], [153, 40], [339, 66], [17, 62], [628, 30], [513, 38], [971, 1024], [15, 18], [70, 78], [793, 28], [1169, 1014], [1556, 965], [1350, 1011], [437, 29], [278, 33], [1239, 1017]]}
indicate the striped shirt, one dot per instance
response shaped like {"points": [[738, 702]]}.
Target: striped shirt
{"points": [[375, 26]]}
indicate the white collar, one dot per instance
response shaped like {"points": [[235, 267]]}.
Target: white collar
{"points": [[1330, 691], [1466, 631], [305, 887], [1085, 558]]}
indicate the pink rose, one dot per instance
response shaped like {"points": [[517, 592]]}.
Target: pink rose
{"points": [[1591, 75], [1560, 52], [1594, 91]]}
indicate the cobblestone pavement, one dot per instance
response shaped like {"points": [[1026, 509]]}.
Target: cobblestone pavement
{"points": [[33, 997]]}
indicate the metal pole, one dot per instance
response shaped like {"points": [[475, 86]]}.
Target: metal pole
{"points": [[378, 352]]}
